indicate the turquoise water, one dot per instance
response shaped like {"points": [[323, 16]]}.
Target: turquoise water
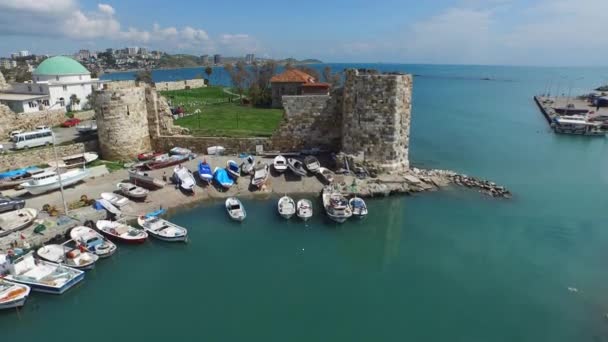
{"points": [[446, 266]]}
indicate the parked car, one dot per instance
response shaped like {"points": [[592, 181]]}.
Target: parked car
{"points": [[12, 134], [10, 203], [42, 128], [70, 122]]}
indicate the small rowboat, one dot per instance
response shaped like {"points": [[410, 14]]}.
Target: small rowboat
{"points": [[184, 178], [296, 167], [326, 174], [144, 180], [12, 295], [221, 177], [247, 165], [115, 199], [13, 221], [215, 150], [148, 155], [358, 207], [204, 171], [260, 175], [165, 160], [280, 164], [312, 164], [72, 257], [93, 241], [235, 209], [121, 232], [162, 229], [233, 169], [304, 209], [132, 190], [287, 207]]}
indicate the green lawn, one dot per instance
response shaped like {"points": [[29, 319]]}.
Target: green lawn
{"points": [[218, 117]]}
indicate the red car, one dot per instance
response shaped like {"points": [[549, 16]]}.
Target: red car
{"points": [[70, 122]]}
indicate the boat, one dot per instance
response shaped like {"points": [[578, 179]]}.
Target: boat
{"points": [[17, 172], [248, 164], [358, 207], [144, 180], [280, 164], [15, 181], [49, 180], [296, 166], [287, 207], [131, 190], [121, 232], [326, 174], [115, 199], [312, 164], [93, 241], [72, 257], [233, 169], [12, 295], [184, 178], [336, 206], [165, 160], [304, 209], [260, 174], [76, 160], [235, 209], [86, 128], [221, 177], [43, 276], [148, 155], [15, 220], [204, 171], [215, 150], [180, 151], [105, 204], [162, 229]]}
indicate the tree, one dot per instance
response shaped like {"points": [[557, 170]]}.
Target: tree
{"points": [[144, 76], [332, 78], [208, 71], [239, 76], [260, 91]]}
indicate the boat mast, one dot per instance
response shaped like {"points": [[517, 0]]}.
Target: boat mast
{"points": [[65, 206]]}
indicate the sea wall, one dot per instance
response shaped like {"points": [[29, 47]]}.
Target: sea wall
{"points": [[200, 144], [10, 121], [43, 155], [179, 85]]}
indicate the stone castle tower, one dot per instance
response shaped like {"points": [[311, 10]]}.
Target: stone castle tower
{"points": [[376, 118]]}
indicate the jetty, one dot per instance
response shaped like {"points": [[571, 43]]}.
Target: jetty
{"points": [[575, 116]]}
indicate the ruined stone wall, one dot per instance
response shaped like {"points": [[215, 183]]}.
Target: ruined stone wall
{"points": [[376, 118], [122, 121], [10, 121], [311, 121], [42, 155], [179, 85], [3, 84], [200, 144], [160, 120]]}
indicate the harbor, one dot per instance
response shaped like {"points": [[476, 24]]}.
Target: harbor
{"points": [[578, 116]]}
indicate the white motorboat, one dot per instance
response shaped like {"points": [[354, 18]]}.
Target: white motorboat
{"points": [[312, 164], [248, 165], [336, 206], [76, 160], [326, 174], [72, 257], [215, 150], [144, 180], [280, 164], [109, 207], [43, 276], [180, 151], [286, 207], [93, 241], [358, 207], [304, 209], [260, 174], [131, 190], [235, 209], [162, 229], [184, 178], [121, 232], [49, 180], [13, 221], [12, 295], [116, 199], [296, 167]]}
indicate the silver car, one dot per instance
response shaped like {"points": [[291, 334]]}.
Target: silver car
{"points": [[10, 203]]}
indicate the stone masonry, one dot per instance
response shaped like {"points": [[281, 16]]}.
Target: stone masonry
{"points": [[3, 84], [179, 85]]}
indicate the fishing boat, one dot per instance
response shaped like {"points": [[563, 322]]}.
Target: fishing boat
{"points": [[121, 232], [162, 229], [260, 174], [358, 207], [215, 150], [304, 209], [93, 241], [105, 204], [296, 167], [115, 199], [76, 160], [131, 190], [280, 164], [221, 177], [180, 151], [336, 206], [183, 177], [233, 169], [248, 164], [148, 155], [287, 207], [12, 295], [86, 129], [17, 172], [15, 181], [204, 171], [15, 220], [43, 276], [312, 164], [144, 180], [326, 175], [72, 257], [235, 209], [49, 180], [165, 160]]}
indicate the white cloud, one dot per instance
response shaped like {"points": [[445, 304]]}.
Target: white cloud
{"points": [[39, 6], [107, 9]]}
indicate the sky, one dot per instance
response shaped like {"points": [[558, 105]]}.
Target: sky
{"points": [[482, 32]]}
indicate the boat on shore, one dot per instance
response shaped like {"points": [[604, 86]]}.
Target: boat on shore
{"points": [[215, 150], [165, 160], [115, 199], [221, 177], [76, 160], [248, 164], [326, 174], [105, 204], [204, 171], [183, 177], [132, 191], [233, 169], [93, 241], [280, 164], [49, 180], [17, 172], [296, 167], [235, 209], [148, 155], [260, 175], [12, 295], [121, 232], [72, 257], [336, 206], [16, 220], [162, 229], [304, 209], [16, 181], [144, 180], [286, 207], [358, 207], [180, 151], [312, 164], [43, 276]]}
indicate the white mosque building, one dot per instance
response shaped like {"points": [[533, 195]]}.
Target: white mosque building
{"points": [[57, 83]]}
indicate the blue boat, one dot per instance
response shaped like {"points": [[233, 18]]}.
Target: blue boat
{"points": [[233, 169], [204, 171], [221, 177], [17, 173]]}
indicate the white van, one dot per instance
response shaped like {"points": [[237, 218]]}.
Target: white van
{"points": [[33, 139]]}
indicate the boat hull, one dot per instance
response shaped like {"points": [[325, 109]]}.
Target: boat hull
{"points": [[51, 289], [115, 238], [41, 189], [17, 303], [181, 238]]}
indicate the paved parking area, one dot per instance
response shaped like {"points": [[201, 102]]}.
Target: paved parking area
{"points": [[62, 135]]}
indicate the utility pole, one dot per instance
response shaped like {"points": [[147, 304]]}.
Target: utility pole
{"points": [[65, 206]]}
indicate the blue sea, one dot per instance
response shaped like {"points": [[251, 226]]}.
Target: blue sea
{"points": [[452, 265]]}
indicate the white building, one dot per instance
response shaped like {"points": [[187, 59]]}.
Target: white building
{"points": [[24, 53], [58, 82], [132, 51]]}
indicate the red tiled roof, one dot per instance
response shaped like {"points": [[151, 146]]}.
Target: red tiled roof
{"points": [[292, 76]]}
